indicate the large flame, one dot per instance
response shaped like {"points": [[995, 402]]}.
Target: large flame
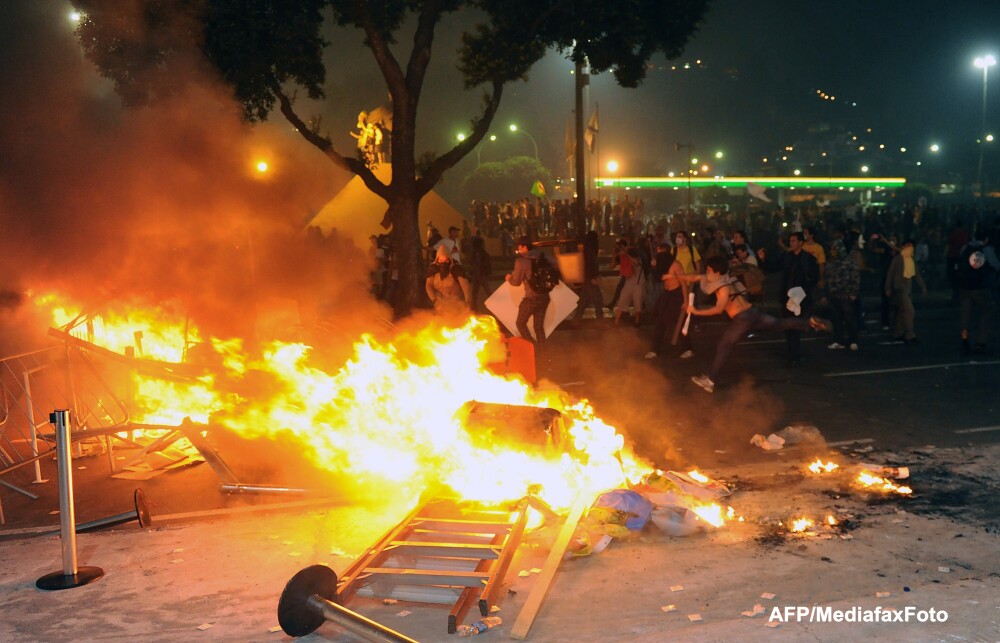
{"points": [[390, 415]]}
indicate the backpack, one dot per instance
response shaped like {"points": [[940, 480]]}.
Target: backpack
{"points": [[972, 272], [750, 276], [544, 276]]}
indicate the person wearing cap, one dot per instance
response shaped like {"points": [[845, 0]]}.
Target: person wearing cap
{"points": [[446, 284], [450, 243], [534, 303]]}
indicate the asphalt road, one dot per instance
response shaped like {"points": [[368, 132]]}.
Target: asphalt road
{"points": [[895, 396]]}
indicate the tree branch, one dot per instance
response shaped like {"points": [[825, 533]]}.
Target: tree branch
{"points": [[324, 145], [387, 63], [421, 55], [448, 160]]}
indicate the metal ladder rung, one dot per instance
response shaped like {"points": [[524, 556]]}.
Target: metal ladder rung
{"points": [[450, 578], [464, 526], [443, 550]]}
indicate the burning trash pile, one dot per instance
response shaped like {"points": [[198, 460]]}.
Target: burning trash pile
{"points": [[428, 408]]}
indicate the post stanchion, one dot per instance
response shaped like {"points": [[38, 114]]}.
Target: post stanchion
{"points": [[71, 575]]}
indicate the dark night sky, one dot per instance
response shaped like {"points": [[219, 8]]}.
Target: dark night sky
{"points": [[71, 154]]}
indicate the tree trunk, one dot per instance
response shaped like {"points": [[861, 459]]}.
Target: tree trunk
{"points": [[407, 244]]}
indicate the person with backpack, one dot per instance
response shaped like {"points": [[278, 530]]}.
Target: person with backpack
{"points": [[535, 271], [975, 275], [730, 297]]}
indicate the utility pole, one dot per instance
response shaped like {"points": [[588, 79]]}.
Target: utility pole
{"points": [[690, 149], [582, 78]]}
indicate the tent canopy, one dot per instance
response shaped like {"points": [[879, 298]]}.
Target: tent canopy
{"points": [[355, 212]]}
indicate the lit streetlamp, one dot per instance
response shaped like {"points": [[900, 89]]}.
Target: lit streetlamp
{"points": [[514, 128], [984, 63], [461, 137]]}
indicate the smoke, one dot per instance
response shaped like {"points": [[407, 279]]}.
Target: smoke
{"points": [[159, 204]]}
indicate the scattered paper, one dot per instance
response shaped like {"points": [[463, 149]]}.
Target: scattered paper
{"points": [[337, 551], [177, 551], [294, 554], [81, 468], [389, 601], [287, 542], [536, 570], [694, 617], [276, 628], [773, 623], [669, 608], [204, 626], [944, 569], [758, 609], [177, 561], [883, 594], [494, 609], [524, 573], [676, 588], [52, 513], [748, 613], [768, 595], [404, 613]]}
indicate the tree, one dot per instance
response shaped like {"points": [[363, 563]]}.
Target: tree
{"points": [[507, 180], [267, 50]]}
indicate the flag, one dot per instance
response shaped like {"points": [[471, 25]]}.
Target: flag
{"points": [[570, 146], [591, 134], [537, 189], [757, 190]]}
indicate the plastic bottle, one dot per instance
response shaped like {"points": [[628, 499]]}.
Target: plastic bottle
{"points": [[479, 626]]}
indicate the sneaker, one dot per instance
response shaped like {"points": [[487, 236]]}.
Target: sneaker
{"points": [[837, 346], [688, 354], [650, 355], [854, 347], [704, 381], [818, 323]]}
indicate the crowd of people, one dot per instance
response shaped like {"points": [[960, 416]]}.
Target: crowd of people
{"points": [[696, 263]]}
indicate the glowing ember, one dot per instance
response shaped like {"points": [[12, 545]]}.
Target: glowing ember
{"points": [[830, 520], [699, 476], [873, 482], [823, 467], [800, 525], [710, 513]]}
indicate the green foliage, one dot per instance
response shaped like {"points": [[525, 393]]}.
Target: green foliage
{"points": [[507, 180]]}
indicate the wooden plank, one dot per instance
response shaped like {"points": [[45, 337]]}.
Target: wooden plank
{"points": [[527, 615]]}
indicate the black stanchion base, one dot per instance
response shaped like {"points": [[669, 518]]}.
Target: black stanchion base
{"points": [[59, 580], [294, 615]]}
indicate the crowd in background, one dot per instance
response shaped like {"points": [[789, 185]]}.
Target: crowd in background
{"points": [[871, 236]]}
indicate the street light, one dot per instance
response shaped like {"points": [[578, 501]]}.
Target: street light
{"points": [[461, 137], [514, 128], [984, 63]]}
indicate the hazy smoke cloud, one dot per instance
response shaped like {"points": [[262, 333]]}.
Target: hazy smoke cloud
{"points": [[162, 202]]}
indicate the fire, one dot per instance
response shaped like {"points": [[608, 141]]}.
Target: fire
{"points": [[710, 513], [388, 417], [823, 467], [800, 525], [871, 481], [699, 476], [830, 520]]}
